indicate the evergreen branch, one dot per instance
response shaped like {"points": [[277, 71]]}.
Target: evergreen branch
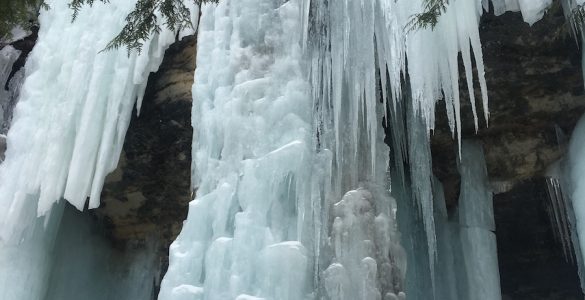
{"points": [[429, 18]]}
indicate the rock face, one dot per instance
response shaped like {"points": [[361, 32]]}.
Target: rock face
{"points": [[146, 197], [535, 88]]}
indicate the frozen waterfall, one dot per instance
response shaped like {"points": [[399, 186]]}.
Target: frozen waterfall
{"points": [[297, 193]]}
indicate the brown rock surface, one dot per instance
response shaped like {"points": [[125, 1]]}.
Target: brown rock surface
{"points": [[146, 197], [535, 88]]}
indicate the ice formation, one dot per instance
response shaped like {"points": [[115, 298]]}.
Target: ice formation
{"points": [[290, 168], [67, 133]]}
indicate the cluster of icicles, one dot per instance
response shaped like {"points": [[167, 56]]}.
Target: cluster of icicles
{"points": [[298, 196]]}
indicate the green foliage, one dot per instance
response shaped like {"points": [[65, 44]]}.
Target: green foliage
{"points": [[430, 16], [143, 20], [140, 23], [17, 13]]}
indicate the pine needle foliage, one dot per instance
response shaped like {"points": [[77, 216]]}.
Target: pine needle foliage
{"points": [[144, 20], [432, 10], [15, 13], [141, 23]]}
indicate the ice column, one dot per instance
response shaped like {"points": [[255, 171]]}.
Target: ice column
{"points": [[245, 236], [476, 219]]}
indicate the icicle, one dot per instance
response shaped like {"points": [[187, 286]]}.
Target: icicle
{"points": [[75, 107]]}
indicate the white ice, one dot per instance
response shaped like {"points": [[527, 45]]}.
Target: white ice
{"points": [[67, 133]]}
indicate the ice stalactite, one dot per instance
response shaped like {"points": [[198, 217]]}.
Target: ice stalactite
{"points": [[67, 133]]}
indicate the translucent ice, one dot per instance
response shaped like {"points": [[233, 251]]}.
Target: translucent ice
{"points": [[476, 218]]}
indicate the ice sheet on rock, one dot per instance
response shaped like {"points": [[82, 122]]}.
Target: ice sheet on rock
{"points": [[74, 108]]}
